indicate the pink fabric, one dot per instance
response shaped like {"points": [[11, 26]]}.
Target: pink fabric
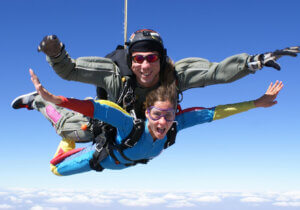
{"points": [[52, 113]]}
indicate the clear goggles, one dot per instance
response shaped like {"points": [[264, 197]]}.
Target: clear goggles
{"points": [[157, 113]]}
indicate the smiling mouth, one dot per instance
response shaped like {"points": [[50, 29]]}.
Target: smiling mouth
{"points": [[145, 74]]}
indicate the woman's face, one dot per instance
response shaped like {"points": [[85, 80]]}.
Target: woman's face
{"points": [[161, 116]]}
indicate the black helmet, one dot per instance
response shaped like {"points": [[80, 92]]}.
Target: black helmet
{"points": [[146, 40]]}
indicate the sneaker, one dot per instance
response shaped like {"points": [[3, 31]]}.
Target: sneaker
{"points": [[24, 101]]}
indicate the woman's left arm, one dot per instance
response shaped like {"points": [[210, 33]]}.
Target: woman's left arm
{"points": [[194, 116]]}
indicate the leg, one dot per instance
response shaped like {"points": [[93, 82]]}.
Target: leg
{"points": [[68, 124], [68, 160]]}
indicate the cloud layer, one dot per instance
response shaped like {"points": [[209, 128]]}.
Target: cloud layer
{"points": [[40, 199]]}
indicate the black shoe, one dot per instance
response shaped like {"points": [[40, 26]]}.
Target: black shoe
{"points": [[24, 101]]}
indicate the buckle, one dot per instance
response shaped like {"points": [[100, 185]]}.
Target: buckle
{"points": [[128, 144], [128, 99], [97, 147]]}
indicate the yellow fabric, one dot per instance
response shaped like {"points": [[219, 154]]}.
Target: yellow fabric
{"points": [[112, 104], [223, 111], [54, 170], [66, 145]]}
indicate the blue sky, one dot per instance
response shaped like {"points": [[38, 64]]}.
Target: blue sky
{"points": [[251, 154]]}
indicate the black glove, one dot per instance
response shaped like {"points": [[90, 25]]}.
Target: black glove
{"points": [[269, 59], [51, 46]]}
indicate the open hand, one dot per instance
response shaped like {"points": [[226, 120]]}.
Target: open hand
{"points": [[268, 99], [46, 95]]}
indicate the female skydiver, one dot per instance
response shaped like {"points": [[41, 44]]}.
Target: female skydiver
{"points": [[160, 114]]}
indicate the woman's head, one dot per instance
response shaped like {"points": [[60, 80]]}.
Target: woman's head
{"points": [[160, 109]]}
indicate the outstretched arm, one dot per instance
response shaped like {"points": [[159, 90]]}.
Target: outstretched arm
{"points": [[106, 111], [267, 100], [81, 106], [199, 115]]}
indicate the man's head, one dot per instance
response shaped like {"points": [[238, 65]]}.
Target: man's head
{"points": [[146, 56]]}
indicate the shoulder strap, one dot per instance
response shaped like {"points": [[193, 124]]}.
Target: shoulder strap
{"points": [[171, 135], [135, 134], [118, 56]]}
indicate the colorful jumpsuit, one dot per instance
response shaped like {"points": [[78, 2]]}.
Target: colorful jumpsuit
{"points": [[72, 161]]}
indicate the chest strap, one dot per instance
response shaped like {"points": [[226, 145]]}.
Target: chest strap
{"points": [[171, 135]]}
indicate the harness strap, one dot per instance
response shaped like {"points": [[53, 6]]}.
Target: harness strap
{"points": [[134, 136], [171, 135], [127, 97], [100, 153]]}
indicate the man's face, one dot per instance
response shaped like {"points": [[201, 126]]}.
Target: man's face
{"points": [[146, 72]]}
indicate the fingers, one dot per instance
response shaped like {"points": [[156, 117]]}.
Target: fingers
{"points": [[275, 89], [34, 78], [36, 82], [290, 51], [273, 64], [43, 43], [278, 88], [269, 88], [285, 52], [294, 49]]}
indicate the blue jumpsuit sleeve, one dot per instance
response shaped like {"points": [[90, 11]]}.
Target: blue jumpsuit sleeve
{"points": [[194, 116], [114, 115]]}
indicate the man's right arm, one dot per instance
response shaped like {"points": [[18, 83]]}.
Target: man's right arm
{"points": [[92, 70], [98, 71]]}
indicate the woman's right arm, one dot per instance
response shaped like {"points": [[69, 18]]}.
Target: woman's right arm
{"points": [[103, 110]]}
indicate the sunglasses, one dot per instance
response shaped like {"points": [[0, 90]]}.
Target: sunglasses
{"points": [[150, 58], [157, 113]]}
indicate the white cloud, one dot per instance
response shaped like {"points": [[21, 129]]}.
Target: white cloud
{"points": [[173, 196], [14, 199], [3, 193], [140, 198], [60, 200], [28, 202], [254, 200], [180, 204], [286, 204], [143, 201], [5, 206], [38, 207], [78, 198], [209, 198], [289, 196]]}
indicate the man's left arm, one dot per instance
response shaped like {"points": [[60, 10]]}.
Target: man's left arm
{"points": [[198, 72]]}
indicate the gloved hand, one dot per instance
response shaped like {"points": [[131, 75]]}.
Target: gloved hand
{"points": [[51, 46], [269, 59]]}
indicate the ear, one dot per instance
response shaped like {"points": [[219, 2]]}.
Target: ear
{"points": [[146, 114]]}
